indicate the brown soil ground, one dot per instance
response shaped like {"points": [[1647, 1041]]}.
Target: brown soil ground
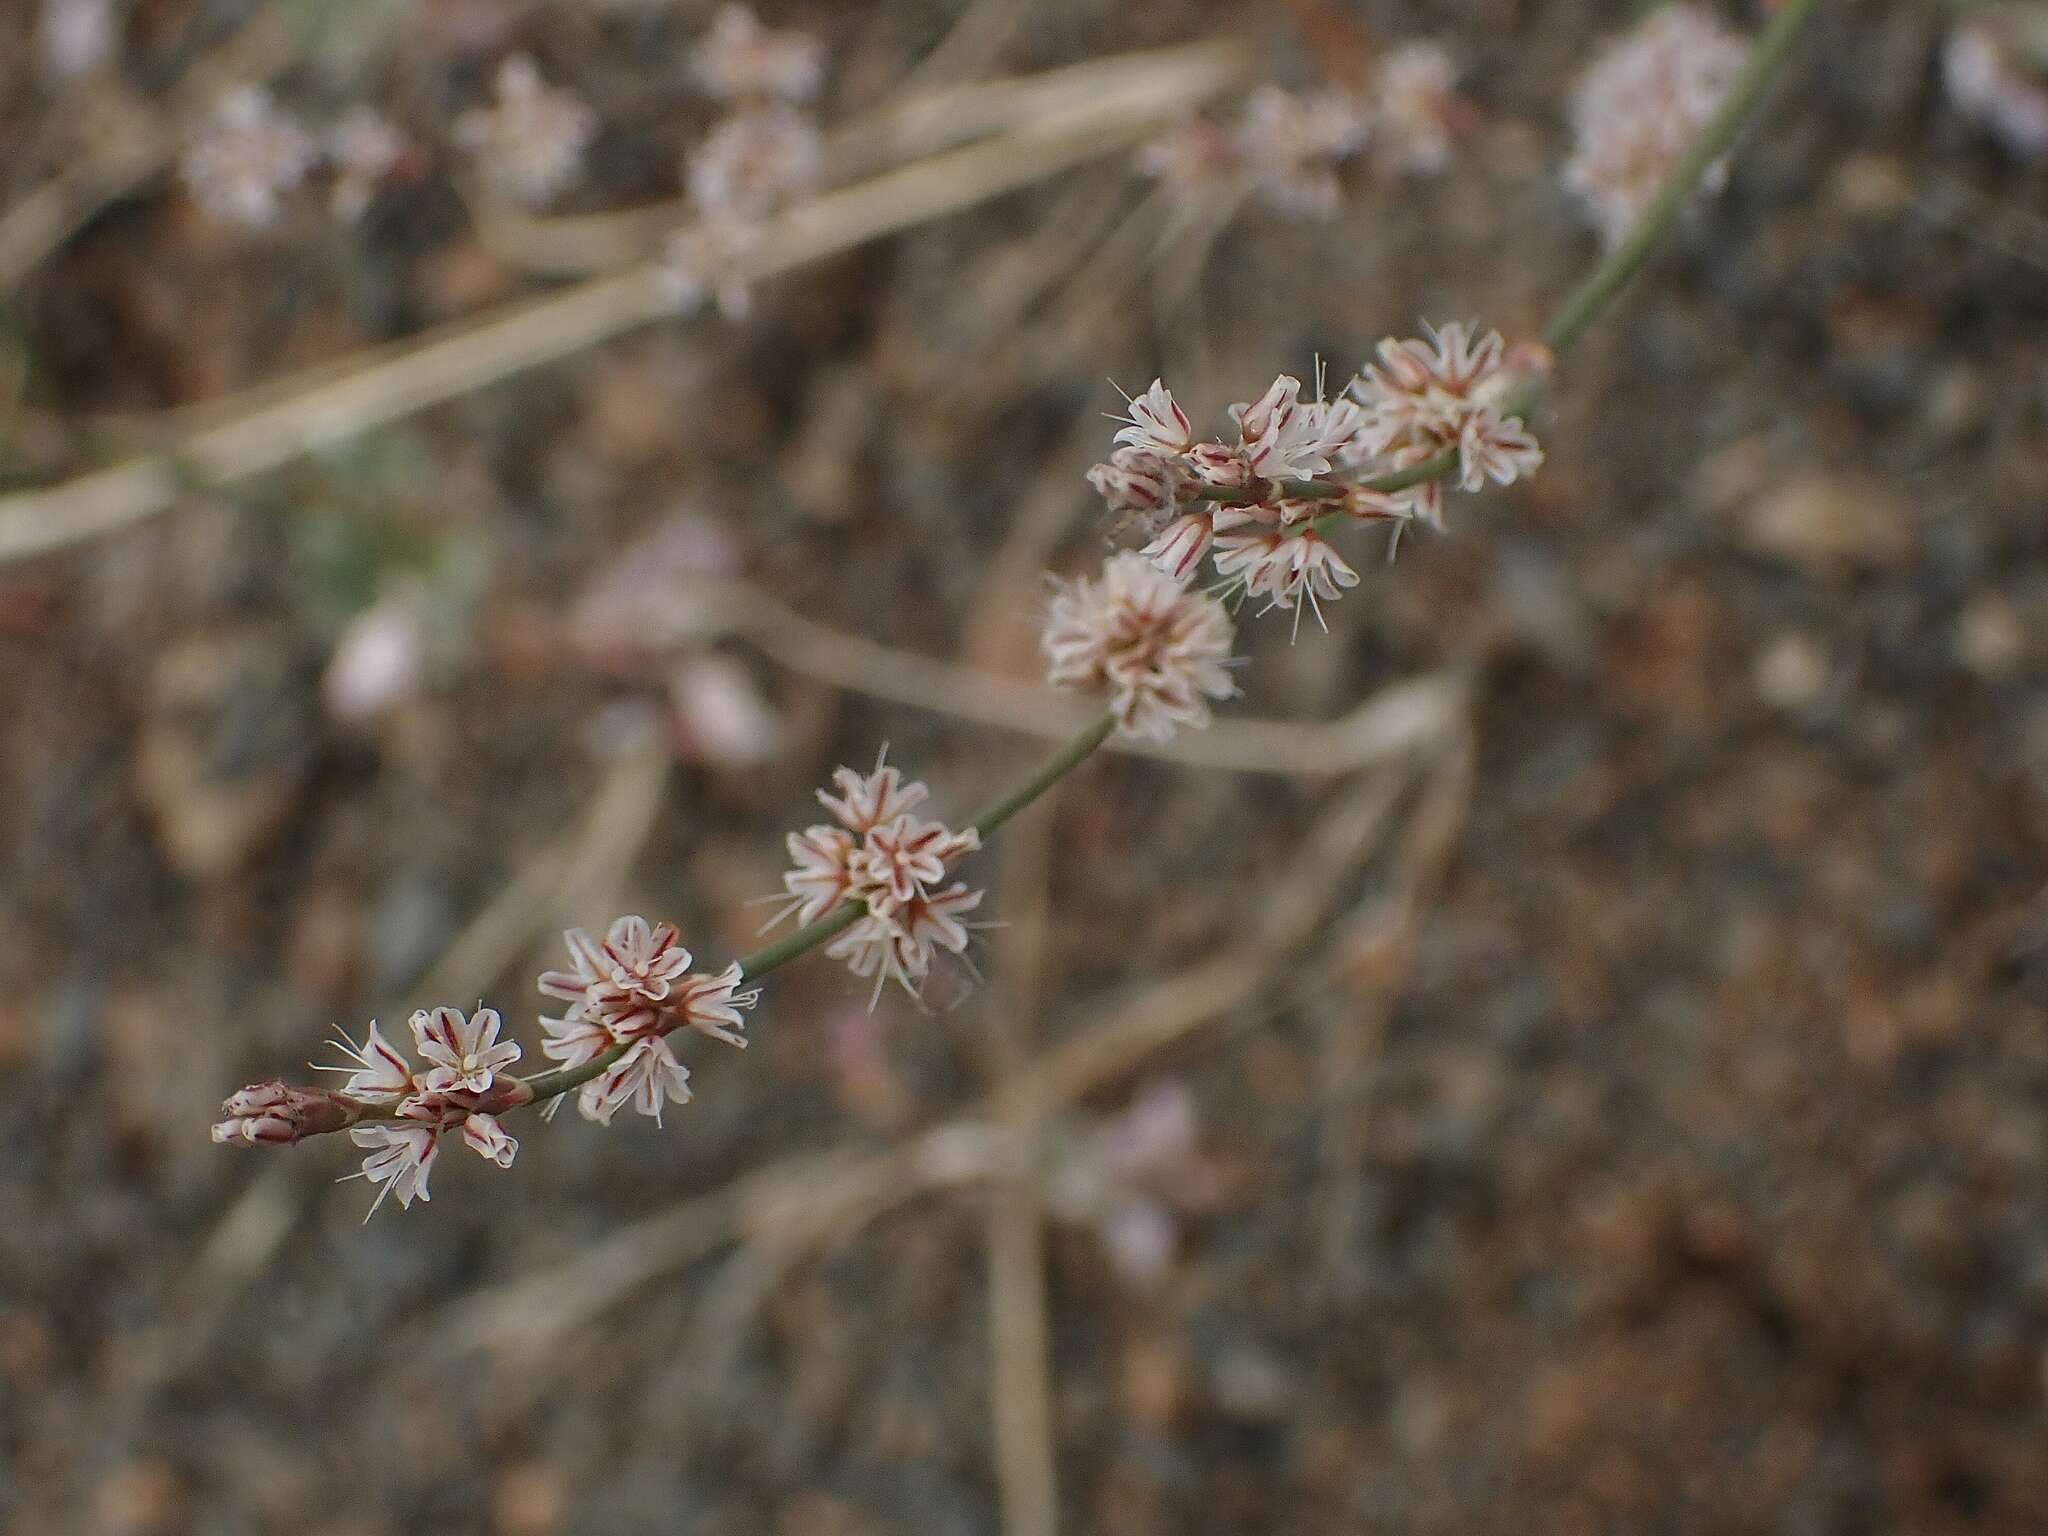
{"points": [[1667, 1152]]}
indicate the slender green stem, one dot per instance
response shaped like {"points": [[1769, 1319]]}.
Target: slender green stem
{"points": [[1262, 491], [1055, 768], [1766, 58], [561, 1080]]}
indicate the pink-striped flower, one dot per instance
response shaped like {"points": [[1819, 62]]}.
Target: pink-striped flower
{"points": [[1140, 485], [483, 1135], [626, 981], [378, 1072], [902, 945], [1158, 650], [463, 1052], [1156, 422], [1179, 548], [401, 1157], [1288, 569], [648, 1077]]}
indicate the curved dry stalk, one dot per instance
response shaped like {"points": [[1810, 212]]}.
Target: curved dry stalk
{"points": [[1402, 718], [394, 382], [133, 147], [1147, 87]]}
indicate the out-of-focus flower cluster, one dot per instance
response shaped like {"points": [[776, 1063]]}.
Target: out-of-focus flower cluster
{"points": [[1135, 1178], [531, 140], [894, 864], [529, 143], [651, 614], [1259, 504], [1993, 65], [762, 155], [1290, 148], [1640, 105], [247, 156]]}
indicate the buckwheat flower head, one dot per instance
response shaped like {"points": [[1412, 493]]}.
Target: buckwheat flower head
{"points": [[1415, 109], [532, 138], [463, 1052], [483, 1135], [245, 157], [1160, 651], [1640, 105], [1293, 144], [638, 981], [753, 162], [740, 59], [1282, 436], [902, 945], [636, 987], [892, 862], [364, 148], [1426, 397]]}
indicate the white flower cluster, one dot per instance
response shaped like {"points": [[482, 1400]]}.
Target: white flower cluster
{"points": [[1451, 396], [463, 1089], [634, 990], [1640, 105], [1289, 148], [530, 143], [762, 155], [531, 140], [247, 156], [891, 862], [1159, 651]]}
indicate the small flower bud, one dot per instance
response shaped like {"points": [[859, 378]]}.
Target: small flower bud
{"points": [[276, 1114], [1137, 483]]}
